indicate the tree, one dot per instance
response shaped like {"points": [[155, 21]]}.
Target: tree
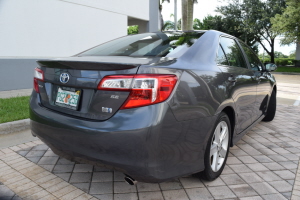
{"points": [[161, 17], [280, 55], [160, 11], [133, 30], [226, 25], [254, 17], [187, 11], [197, 25], [288, 24], [170, 25], [292, 55], [209, 22], [263, 57], [187, 8]]}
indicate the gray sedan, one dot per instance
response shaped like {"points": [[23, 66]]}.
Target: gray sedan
{"points": [[155, 106]]}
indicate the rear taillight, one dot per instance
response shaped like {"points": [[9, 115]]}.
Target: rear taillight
{"points": [[145, 89], [38, 76]]}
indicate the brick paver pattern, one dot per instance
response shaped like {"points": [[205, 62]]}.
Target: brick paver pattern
{"points": [[263, 165]]}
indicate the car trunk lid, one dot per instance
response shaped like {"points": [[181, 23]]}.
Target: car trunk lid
{"points": [[76, 94]]}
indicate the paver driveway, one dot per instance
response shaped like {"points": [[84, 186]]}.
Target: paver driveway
{"points": [[262, 165]]}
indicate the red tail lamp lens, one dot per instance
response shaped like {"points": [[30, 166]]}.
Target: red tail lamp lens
{"points": [[38, 76], [145, 89]]}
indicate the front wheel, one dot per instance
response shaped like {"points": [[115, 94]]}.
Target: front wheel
{"points": [[217, 149]]}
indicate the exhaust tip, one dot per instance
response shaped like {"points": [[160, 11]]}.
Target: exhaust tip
{"points": [[130, 180]]}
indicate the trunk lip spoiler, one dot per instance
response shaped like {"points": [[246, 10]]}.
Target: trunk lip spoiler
{"points": [[86, 65]]}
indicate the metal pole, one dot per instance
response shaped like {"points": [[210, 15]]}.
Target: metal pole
{"points": [[175, 14]]}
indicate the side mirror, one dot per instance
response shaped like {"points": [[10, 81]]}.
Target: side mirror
{"points": [[271, 67]]}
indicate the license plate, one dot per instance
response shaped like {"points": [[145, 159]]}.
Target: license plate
{"points": [[68, 98]]}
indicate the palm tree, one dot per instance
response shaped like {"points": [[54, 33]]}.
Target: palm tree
{"points": [[161, 17], [170, 25], [187, 14], [187, 7]]}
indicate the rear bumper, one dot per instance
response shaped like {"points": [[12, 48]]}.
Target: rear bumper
{"points": [[146, 143]]}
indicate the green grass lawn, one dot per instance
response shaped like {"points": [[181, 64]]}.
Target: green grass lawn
{"points": [[13, 109], [288, 69]]}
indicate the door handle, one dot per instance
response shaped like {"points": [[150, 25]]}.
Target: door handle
{"points": [[231, 79]]}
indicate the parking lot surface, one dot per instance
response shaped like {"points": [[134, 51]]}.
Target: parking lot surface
{"points": [[288, 92], [263, 165]]}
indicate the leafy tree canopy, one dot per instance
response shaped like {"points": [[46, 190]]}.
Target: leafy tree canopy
{"points": [[264, 57], [226, 25], [280, 55], [170, 25], [288, 23], [292, 54], [133, 30], [254, 17]]}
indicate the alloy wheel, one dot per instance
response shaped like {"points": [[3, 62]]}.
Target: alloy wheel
{"points": [[219, 146]]}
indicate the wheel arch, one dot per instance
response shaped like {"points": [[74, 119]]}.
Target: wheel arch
{"points": [[274, 89], [231, 115]]}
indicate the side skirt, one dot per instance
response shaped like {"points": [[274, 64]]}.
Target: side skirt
{"points": [[239, 136]]}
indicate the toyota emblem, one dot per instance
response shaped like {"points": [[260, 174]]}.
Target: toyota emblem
{"points": [[64, 78]]}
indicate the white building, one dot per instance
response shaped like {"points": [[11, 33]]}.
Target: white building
{"points": [[35, 29], [51, 28]]}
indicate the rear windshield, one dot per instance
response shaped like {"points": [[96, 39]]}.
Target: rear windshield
{"points": [[147, 44]]}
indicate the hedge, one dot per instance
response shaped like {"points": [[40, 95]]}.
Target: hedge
{"points": [[284, 61]]}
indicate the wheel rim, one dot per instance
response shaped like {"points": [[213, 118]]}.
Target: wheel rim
{"points": [[219, 146]]}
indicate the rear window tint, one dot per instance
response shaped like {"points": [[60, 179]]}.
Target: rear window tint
{"points": [[147, 44]]}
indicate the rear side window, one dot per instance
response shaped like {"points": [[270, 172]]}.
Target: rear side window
{"points": [[221, 58], [252, 58], [233, 52]]}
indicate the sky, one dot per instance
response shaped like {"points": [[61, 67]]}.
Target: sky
{"points": [[204, 8]]}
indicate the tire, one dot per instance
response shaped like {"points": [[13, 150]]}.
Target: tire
{"points": [[271, 108], [217, 149]]}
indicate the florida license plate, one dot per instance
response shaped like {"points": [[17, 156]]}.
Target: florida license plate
{"points": [[68, 98]]}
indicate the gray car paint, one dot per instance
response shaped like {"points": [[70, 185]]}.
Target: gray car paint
{"points": [[162, 141], [87, 80]]}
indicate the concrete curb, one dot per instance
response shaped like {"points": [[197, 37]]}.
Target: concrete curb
{"points": [[15, 126]]}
